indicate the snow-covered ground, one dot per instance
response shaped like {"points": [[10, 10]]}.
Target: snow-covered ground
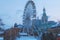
{"points": [[26, 38], [1, 38], [23, 34]]}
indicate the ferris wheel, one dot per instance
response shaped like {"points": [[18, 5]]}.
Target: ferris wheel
{"points": [[30, 10], [29, 13]]}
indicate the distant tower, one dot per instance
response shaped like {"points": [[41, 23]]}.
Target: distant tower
{"points": [[44, 16], [29, 13]]}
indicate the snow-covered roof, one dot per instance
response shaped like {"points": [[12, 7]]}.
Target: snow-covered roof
{"points": [[20, 26]]}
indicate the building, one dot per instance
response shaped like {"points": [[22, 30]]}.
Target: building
{"points": [[43, 23]]}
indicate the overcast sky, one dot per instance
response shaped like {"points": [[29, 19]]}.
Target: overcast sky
{"points": [[11, 11]]}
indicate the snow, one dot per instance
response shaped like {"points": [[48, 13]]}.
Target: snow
{"points": [[1, 38], [23, 33], [26, 38], [58, 34]]}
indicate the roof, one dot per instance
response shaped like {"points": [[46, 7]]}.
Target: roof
{"points": [[19, 26]]}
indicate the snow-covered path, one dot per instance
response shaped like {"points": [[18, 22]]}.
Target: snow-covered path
{"points": [[26, 38], [1, 38]]}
